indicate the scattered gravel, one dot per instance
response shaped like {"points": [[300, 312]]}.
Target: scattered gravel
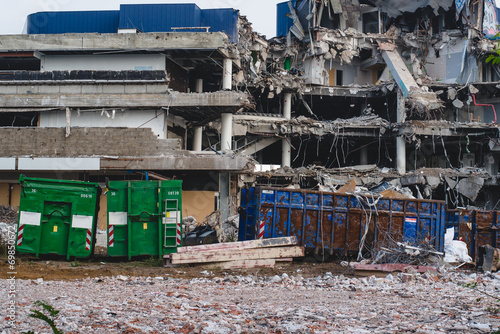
{"points": [[256, 304]]}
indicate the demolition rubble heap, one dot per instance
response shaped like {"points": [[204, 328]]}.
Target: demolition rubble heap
{"points": [[211, 303]]}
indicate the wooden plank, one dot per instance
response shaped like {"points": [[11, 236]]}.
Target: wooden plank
{"points": [[240, 254], [263, 243], [242, 264]]}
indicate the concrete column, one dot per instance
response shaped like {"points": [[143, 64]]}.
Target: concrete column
{"points": [[363, 156], [197, 139], [199, 86], [400, 141], [226, 138], [287, 106], [286, 153], [286, 148], [227, 74], [224, 193]]}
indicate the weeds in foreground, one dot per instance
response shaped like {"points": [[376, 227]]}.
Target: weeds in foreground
{"points": [[47, 314], [154, 262]]}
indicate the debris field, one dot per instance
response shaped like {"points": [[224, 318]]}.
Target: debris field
{"points": [[218, 302]]}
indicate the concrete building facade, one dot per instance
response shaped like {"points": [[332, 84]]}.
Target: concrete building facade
{"points": [[388, 93]]}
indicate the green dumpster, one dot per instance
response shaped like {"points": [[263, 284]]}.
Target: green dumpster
{"points": [[144, 218], [57, 217]]}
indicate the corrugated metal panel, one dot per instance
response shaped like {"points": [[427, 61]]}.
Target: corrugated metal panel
{"points": [[283, 23], [73, 22], [336, 222], [159, 17], [146, 18], [222, 20]]}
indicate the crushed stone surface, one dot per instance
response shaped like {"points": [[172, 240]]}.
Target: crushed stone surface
{"points": [[285, 303]]}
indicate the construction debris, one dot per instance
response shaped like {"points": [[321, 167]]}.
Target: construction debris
{"points": [[489, 258], [255, 302], [8, 214], [8, 223], [406, 254], [360, 269], [247, 254]]}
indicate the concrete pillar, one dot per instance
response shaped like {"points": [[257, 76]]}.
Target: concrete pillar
{"points": [[400, 141], [286, 153], [286, 148], [199, 86], [224, 193], [227, 74], [197, 139], [226, 137], [363, 156], [287, 106]]}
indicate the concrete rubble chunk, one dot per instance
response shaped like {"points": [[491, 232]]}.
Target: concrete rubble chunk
{"points": [[458, 104]]}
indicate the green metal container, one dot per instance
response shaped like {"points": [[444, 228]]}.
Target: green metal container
{"points": [[57, 217], [144, 218]]}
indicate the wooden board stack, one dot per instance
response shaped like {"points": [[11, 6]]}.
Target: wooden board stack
{"points": [[234, 255]]}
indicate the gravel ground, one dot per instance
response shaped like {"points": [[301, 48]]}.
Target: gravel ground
{"points": [[286, 303]]}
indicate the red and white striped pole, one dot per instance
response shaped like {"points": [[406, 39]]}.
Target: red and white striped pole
{"points": [[20, 235], [111, 236], [178, 236], [262, 227], [89, 238]]}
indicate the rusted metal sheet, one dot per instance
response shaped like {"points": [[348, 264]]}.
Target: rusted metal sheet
{"points": [[336, 223], [476, 228]]}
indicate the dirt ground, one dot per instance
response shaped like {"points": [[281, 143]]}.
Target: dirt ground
{"points": [[57, 268]]}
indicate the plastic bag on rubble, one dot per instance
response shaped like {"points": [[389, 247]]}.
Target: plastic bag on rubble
{"points": [[455, 250]]}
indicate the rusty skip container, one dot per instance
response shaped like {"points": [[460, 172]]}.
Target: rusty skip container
{"points": [[476, 228], [331, 223]]}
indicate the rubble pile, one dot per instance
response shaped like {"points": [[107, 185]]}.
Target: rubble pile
{"points": [[227, 231], [8, 214], [8, 221], [240, 304], [402, 253]]}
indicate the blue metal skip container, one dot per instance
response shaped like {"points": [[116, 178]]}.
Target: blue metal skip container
{"points": [[336, 223]]}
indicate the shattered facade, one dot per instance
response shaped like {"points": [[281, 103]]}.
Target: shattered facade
{"points": [[391, 94], [401, 86]]}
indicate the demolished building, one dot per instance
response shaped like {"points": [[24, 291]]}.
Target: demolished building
{"points": [[348, 89]]}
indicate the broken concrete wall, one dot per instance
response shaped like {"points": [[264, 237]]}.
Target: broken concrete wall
{"points": [[445, 61], [107, 118], [52, 142], [352, 74]]}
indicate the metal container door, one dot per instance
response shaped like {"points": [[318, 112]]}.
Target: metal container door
{"points": [[56, 220]]}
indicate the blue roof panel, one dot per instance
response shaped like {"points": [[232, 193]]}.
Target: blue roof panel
{"points": [[223, 20], [146, 18], [159, 17], [73, 22]]}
